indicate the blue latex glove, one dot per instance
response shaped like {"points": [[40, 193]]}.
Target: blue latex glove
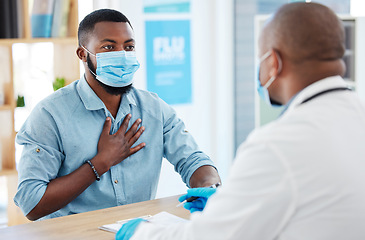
{"points": [[199, 204], [127, 230]]}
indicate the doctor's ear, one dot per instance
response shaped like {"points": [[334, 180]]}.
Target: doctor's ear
{"points": [[81, 54], [276, 63]]}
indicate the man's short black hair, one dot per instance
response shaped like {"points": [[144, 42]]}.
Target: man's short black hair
{"points": [[87, 25]]}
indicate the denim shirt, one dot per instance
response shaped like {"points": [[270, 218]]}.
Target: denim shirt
{"points": [[63, 131]]}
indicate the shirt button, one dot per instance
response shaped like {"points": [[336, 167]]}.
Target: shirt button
{"points": [[116, 181], [37, 150]]}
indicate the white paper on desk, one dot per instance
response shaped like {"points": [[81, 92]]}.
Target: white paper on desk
{"points": [[162, 218]]}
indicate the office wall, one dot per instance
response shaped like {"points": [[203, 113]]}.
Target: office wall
{"points": [[209, 118]]}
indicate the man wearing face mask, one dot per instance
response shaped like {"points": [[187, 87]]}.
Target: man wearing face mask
{"points": [[99, 142], [302, 176]]}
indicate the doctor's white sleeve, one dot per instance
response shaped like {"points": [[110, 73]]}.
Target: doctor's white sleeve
{"points": [[255, 203]]}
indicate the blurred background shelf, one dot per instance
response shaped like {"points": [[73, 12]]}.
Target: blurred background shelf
{"points": [[6, 107], [6, 172], [66, 40], [28, 65]]}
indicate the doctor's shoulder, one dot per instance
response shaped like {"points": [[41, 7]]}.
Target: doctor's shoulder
{"points": [[282, 129]]}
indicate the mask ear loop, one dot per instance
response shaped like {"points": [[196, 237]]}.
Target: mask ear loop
{"points": [[87, 64], [88, 51], [263, 57]]}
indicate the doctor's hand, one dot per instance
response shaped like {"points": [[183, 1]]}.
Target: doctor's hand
{"points": [[127, 230], [202, 195], [114, 148]]}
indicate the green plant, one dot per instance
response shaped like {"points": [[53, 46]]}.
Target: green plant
{"points": [[58, 83], [20, 101]]}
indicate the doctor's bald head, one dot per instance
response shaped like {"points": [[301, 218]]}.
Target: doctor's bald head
{"points": [[305, 32], [302, 43]]}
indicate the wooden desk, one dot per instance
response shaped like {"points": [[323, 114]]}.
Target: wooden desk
{"points": [[85, 225]]}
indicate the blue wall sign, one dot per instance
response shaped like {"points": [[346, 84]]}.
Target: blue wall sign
{"points": [[166, 6], [169, 60]]}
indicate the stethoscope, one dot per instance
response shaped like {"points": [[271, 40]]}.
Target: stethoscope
{"points": [[325, 92]]}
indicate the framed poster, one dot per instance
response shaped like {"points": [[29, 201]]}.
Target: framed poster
{"points": [[169, 60], [166, 6]]}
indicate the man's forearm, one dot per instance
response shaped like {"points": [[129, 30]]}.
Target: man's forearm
{"points": [[204, 176], [63, 190]]}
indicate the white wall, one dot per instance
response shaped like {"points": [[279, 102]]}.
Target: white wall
{"points": [[360, 56], [210, 117]]}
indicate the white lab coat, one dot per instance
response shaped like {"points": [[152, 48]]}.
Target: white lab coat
{"points": [[301, 177]]}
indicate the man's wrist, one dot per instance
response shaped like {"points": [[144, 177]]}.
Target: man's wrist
{"points": [[99, 165], [94, 170], [204, 176]]}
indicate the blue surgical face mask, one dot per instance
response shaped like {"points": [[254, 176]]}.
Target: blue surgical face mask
{"points": [[115, 69], [262, 90]]}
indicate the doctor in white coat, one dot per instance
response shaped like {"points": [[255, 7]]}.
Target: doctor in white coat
{"points": [[301, 177]]}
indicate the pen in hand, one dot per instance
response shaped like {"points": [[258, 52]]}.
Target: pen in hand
{"points": [[191, 199]]}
